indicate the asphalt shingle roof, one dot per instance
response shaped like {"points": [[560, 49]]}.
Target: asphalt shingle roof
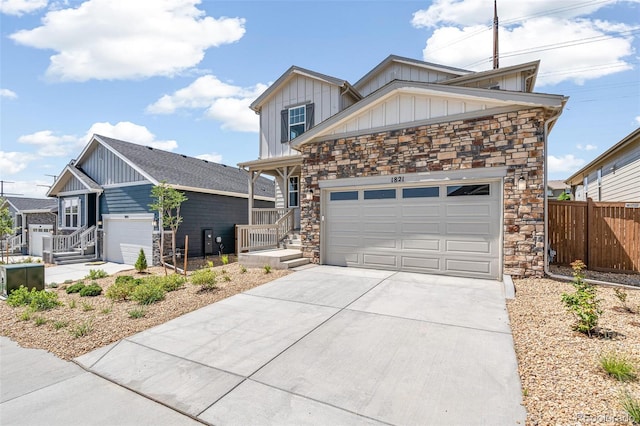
{"points": [[27, 204], [182, 170]]}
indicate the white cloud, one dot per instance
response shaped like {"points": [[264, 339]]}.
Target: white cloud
{"points": [[14, 162], [20, 7], [638, 119], [587, 147], [463, 37], [222, 101], [124, 39], [6, 93], [566, 164], [36, 188], [213, 157], [51, 145], [130, 132]]}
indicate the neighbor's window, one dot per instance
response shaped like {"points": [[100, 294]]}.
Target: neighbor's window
{"points": [[296, 122], [71, 217], [463, 190], [294, 192]]}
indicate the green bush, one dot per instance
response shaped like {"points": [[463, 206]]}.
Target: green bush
{"points": [[137, 313], [141, 263], [75, 288], [583, 303], [225, 259], [267, 269], [38, 321], [148, 293], [95, 274], [60, 324], [91, 290], [205, 277], [618, 367], [172, 282], [37, 300], [82, 329], [120, 290]]}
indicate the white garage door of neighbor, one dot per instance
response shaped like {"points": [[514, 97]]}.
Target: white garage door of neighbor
{"points": [[36, 234], [446, 228], [124, 237]]}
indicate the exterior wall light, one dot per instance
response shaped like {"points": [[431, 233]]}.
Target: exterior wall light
{"points": [[310, 195], [522, 183]]}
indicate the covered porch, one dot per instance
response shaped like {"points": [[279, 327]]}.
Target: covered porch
{"points": [[270, 228]]}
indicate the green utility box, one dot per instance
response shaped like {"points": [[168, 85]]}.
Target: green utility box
{"points": [[30, 275]]}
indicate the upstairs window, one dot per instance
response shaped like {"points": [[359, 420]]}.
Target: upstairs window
{"points": [[294, 192], [295, 121], [71, 213]]}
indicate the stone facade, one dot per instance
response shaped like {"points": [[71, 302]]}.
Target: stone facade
{"points": [[514, 140]]}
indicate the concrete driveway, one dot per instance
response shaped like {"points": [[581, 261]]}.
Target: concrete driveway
{"points": [[331, 345]]}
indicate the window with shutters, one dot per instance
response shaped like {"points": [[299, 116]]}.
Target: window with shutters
{"points": [[295, 121]]}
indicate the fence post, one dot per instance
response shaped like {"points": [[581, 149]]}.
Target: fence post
{"points": [[590, 232]]}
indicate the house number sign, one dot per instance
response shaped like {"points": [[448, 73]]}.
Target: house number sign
{"points": [[397, 179]]}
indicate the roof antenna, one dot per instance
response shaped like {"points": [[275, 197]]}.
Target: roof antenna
{"points": [[495, 35]]}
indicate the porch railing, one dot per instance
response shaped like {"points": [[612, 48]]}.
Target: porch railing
{"points": [[267, 216], [80, 238], [12, 243], [264, 236]]}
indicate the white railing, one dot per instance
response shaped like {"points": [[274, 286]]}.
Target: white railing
{"points": [[62, 243], [265, 236], [267, 216], [87, 238], [13, 243]]}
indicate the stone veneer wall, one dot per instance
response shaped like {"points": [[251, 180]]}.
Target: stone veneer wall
{"points": [[514, 140]]}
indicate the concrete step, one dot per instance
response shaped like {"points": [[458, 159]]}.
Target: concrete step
{"points": [[294, 263], [69, 260], [277, 258]]}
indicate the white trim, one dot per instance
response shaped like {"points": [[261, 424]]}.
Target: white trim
{"points": [[131, 216], [78, 192], [121, 185], [216, 192], [487, 173]]}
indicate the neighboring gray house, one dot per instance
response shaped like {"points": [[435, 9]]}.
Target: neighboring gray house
{"points": [[557, 187], [613, 176], [415, 167], [108, 186], [33, 218]]}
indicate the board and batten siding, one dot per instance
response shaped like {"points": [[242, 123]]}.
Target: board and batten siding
{"points": [[126, 199], [217, 212], [399, 71], [106, 168], [298, 91], [511, 82], [621, 177], [404, 108], [72, 185]]}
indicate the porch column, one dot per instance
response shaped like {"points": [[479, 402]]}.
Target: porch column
{"points": [[250, 201]]}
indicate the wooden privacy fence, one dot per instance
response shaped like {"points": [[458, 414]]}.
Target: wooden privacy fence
{"points": [[606, 236]]}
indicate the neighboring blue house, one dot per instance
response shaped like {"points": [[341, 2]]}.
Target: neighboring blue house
{"points": [[33, 219], [107, 188]]}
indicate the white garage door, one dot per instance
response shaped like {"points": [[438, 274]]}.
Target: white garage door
{"points": [[446, 228], [36, 234], [125, 236]]}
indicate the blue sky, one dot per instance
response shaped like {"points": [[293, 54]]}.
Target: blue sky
{"points": [[180, 74]]}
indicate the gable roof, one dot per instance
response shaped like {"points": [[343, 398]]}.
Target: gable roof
{"points": [[402, 60], [295, 70], [178, 171], [32, 205], [530, 68], [627, 141], [507, 98]]}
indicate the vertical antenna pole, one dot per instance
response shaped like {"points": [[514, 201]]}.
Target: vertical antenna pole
{"points": [[495, 35]]}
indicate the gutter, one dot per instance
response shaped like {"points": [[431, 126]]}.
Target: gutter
{"points": [[546, 221]]}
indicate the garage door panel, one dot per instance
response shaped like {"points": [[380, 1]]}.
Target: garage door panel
{"points": [[469, 246], [421, 263], [420, 211], [409, 228], [380, 227], [463, 266], [468, 228], [469, 210], [378, 260], [421, 244], [377, 212], [380, 242]]}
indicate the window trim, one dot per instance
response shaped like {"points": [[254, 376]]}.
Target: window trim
{"points": [[285, 125], [300, 122], [68, 203], [295, 191]]}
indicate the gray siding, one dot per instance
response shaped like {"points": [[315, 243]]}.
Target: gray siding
{"points": [[106, 168], [513, 82], [127, 199], [621, 177], [217, 212], [297, 91], [73, 185], [399, 71]]}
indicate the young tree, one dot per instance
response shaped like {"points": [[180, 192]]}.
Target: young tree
{"points": [[6, 225], [167, 202], [141, 263]]}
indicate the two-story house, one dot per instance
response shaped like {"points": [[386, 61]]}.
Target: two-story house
{"points": [[415, 167]]}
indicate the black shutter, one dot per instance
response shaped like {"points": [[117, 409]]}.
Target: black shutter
{"points": [[284, 126], [309, 117]]}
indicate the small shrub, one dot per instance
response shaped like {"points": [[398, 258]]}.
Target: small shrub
{"points": [[632, 406], [26, 315], [583, 303], [86, 307], [618, 367], [172, 282], [622, 297], [227, 278], [72, 304], [120, 290], [75, 288], [106, 310], [205, 277], [148, 293], [91, 290], [225, 259], [95, 274], [38, 321], [243, 269], [19, 297], [137, 313], [141, 263], [127, 279], [43, 300], [60, 324], [267, 269], [82, 329]]}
